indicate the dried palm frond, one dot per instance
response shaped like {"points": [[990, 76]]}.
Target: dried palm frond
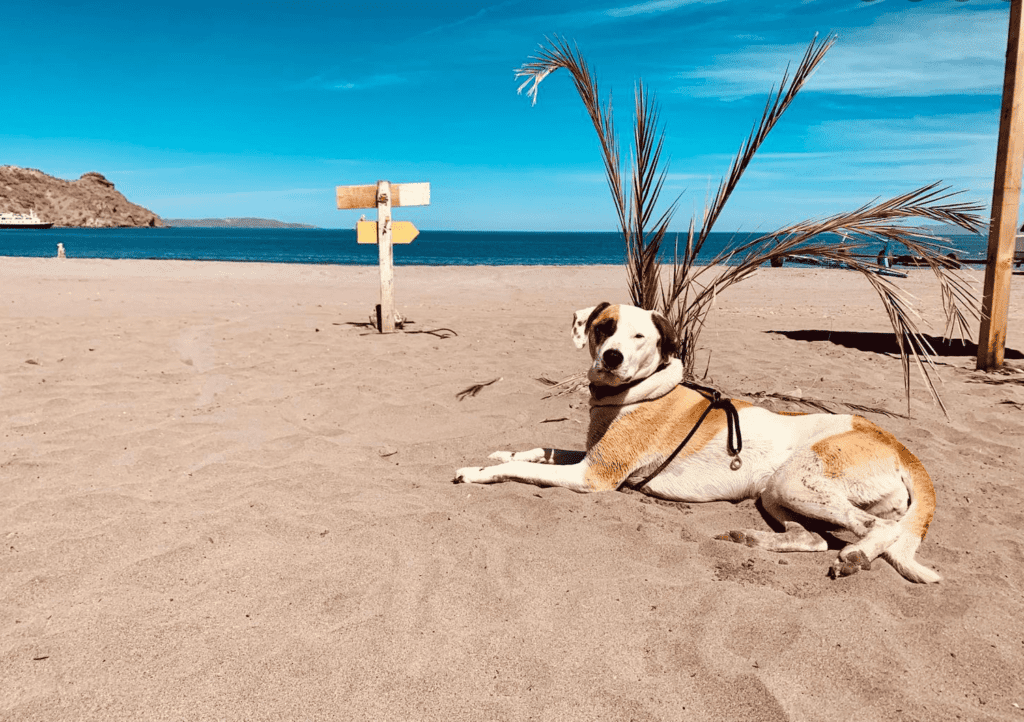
{"points": [[474, 389], [696, 287], [636, 202], [567, 385], [819, 404], [691, 290]]}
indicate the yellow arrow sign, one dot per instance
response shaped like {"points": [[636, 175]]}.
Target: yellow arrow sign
{"points": [[401, 232]]}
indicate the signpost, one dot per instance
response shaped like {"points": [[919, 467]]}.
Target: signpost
{"points": [[384, 233]]}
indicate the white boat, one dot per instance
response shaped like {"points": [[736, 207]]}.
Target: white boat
{"points": [[22, 220]]}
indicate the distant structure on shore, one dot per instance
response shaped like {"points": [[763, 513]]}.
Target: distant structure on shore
{"points": [[89, 202], [230, 223]]}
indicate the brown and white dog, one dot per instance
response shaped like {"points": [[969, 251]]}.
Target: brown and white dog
{"points": [[838, 469]]}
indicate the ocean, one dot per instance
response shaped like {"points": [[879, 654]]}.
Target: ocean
{"points": [[338, 246]]}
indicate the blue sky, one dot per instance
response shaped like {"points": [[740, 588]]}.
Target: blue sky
{"points": [[227, 109]]}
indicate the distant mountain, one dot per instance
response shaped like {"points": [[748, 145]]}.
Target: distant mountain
{"points": [[947, 230], [89, 202], [230, 223]]}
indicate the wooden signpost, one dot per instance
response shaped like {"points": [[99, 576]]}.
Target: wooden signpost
{"points": [[383, 232]]}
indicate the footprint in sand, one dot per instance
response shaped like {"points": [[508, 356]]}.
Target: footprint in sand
{"points": [[195, 350]]}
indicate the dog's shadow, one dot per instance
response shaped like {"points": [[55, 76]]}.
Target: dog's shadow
{"points": [[832, 534], [885, 343]]}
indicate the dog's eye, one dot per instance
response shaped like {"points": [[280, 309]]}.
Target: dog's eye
{"points": [[603, 330], [639, 335]]}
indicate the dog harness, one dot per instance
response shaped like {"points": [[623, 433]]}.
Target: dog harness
{"points": [[734, 441]]}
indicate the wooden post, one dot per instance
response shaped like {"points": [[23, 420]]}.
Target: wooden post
{"points": [[387, 268], [1005, 201]]}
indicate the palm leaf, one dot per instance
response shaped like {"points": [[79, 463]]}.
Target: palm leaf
{"points": [[691, 289], [635, 203]]}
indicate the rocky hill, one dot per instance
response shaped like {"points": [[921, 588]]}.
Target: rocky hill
{"points": [[230, 223], [89, 202]]}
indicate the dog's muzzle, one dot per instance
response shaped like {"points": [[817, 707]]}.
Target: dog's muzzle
{"points": [[611, 359], [607, 369]]}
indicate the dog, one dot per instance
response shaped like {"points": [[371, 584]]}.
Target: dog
{"points": [[842, 470]]}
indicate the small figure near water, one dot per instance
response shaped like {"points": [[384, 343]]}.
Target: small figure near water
{"points": [[60, 251], [884, 258]]}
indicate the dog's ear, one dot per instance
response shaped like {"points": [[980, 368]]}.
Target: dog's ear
{"points": [[581, 321], [669, 344], [579, 326]]}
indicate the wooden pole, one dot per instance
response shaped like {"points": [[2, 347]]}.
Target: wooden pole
{"points": [[387, 271], [1005, 201]]}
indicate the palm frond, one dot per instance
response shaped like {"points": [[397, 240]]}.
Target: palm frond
{"points": [[857, 230], [777, 104], [635, 204], [560, 55], [691, 289]]}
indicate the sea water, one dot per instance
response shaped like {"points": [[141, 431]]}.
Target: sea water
{"points": [[338, 246]]}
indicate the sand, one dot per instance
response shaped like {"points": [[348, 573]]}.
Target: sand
{"points": [[221, 497]]}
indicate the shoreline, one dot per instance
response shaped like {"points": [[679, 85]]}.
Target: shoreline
{"points": [[398, 264]]}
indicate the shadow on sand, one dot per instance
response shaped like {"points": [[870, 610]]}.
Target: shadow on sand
{"points": [[876, 342]]}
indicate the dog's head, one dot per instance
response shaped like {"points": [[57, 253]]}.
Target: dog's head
{"points": [[626, 343]]}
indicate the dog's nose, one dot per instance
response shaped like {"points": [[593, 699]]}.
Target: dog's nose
{"points": [[611, 359]]}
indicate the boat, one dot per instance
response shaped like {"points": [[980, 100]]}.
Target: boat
{"points": [[22, 220]]}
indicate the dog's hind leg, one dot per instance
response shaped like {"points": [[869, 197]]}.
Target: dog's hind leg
{"points": [[540, 456], [795, 539], [799, 490], [802, 487]]}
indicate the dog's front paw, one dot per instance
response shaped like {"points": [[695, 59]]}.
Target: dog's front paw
{"points": [[471, 475], [502, 456]]}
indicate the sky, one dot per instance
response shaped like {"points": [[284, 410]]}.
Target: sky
{"points": [[231, 109]]}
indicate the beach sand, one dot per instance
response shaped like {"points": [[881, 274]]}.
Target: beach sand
{"points": [[221, 497]]}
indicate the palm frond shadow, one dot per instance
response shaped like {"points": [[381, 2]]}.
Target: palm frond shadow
{"points": [[690, 292], [886, 343], [441, 333]]}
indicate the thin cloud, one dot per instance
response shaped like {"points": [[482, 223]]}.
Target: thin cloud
{"points": [[909, 54], [958, 149], [320, 82], [478, 15], [653, 7]]}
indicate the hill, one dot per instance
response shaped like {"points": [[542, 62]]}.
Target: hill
{"points": [[230, 223], [89, 202]]}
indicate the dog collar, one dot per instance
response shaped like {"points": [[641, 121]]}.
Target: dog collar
{"points": [[652, 387]]}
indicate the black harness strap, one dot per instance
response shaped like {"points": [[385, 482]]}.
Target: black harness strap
{"points": [[734, 442]]}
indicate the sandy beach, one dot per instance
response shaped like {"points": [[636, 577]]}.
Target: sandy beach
{"points": [[224, 497]]}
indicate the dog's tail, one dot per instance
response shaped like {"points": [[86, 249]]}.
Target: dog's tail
{"points": [[913, 526]]}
